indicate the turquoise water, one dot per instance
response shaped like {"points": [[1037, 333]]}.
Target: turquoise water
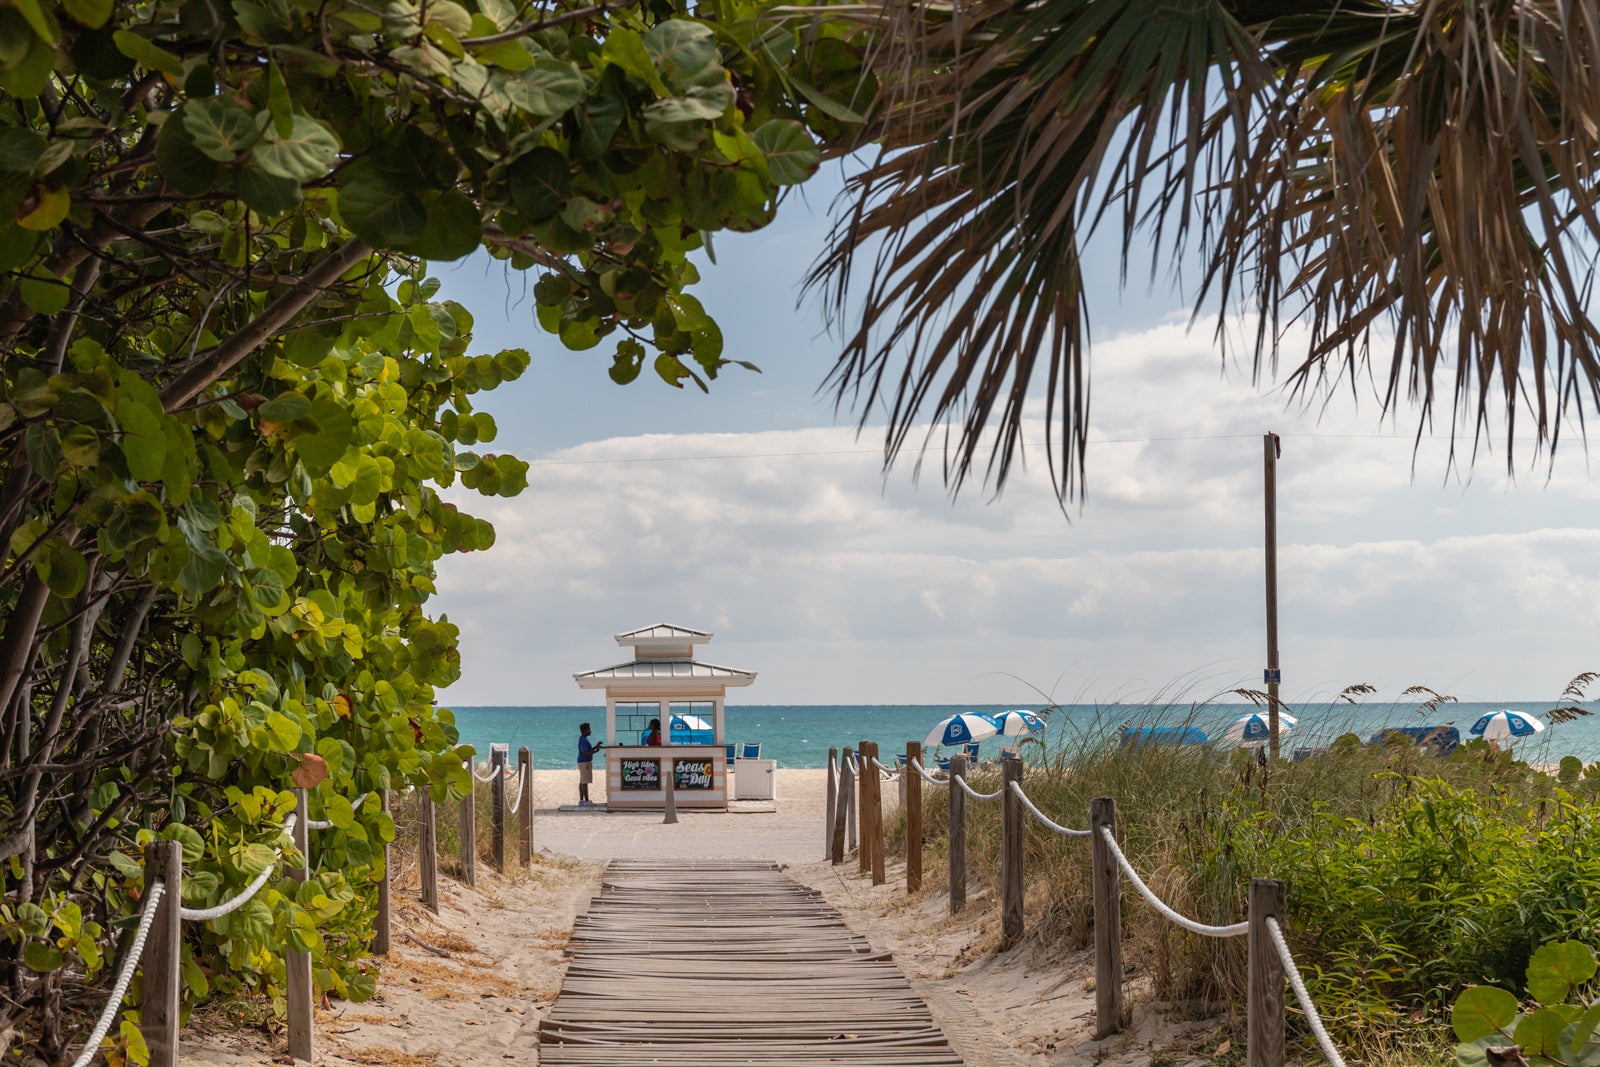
{"points": [[798, 735]]}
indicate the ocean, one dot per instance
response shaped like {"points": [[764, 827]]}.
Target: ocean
{"points": [[799, 735]]}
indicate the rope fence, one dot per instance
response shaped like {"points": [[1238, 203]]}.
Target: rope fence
{"points": [[157, 940], [1272, 965]]}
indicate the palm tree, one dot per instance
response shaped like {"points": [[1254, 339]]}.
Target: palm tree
{"points": [[1410, 182]]}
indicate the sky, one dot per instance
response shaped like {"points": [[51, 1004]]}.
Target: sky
{"points": [[758, 513]]}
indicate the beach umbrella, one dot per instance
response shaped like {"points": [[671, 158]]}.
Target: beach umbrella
{"points": [[961, 728], [689, 722], [1255, 727], [1507, 723], [1018, 722]]}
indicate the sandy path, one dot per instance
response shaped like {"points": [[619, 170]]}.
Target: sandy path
{"points": [[481, 1004]]}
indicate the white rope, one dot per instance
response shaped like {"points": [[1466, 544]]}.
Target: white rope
{"points": [[217, 912], [516, 794], [923, 771], [1236, 930], [973, 793], [884, 772], [484, 777], [1067, 831], [120, 989], [1292, 973]]}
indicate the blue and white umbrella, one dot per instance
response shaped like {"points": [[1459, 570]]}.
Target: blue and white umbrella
{"points": [[1255, 727], [689, 722], [1507, 723], [1016, 723], [960, 729]]}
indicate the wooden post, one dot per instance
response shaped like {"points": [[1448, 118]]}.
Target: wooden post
{"points": [[1272, 448], [833, 802], [468, 824], [497, 809], [380, 936], [875, 818], [301, 1043], [525, 805], [1264, 997], [868, 774], [1011, 827], [841, 809], [163, 952], [671, 815], [1107, 879], [958, 835], [913, 786], [427, 849], [850, 807], [902, 779]]}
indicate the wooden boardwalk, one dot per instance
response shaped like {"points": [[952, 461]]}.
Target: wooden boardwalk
{"points": [[710, 962]]}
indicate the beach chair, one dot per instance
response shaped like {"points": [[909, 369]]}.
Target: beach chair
{"points": [[750, 750], [731, 749], [970, 750]]}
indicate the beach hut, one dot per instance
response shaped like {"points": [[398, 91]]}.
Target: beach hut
{"points": [[663, 680]]}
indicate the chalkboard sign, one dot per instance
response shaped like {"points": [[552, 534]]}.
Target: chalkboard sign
{"points": [[641, 774], [691, 773]]}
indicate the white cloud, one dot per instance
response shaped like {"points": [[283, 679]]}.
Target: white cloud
{"points": [[841, 586]]}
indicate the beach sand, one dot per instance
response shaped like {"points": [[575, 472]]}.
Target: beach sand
{"points": [[467, 988]]}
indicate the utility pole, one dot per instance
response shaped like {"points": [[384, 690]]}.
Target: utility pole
{"points": [[1272, 448]]}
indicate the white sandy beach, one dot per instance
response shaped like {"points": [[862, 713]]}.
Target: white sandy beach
{"points": [[497, 958]]}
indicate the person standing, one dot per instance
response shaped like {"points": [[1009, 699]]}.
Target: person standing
{"points": [[652, 735], [586, 751]]}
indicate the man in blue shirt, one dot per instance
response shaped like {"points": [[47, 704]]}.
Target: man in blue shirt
{"points": [[586, 751]]}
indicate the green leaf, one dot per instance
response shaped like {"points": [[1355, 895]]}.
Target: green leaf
{"points": [[700, 105], [683, 51], [187, 169], [147, 55], [285, 732], [194, 846], [220, 128], [204, 568], [44, 292], [285, 407], [381, 213], [90, 13], [279, 103], [321, 450], [792, 156], [1576, 1036], [144, 444], [339, 811], [1539, 1033], [546, 89], [304, 154], [1557, 967], [626, 49], [538, 182], [62, 567], [453, 229], [41, 958], [266, 194], [1482, 1010]]}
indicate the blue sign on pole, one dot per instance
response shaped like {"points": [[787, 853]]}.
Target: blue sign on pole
{"points": [[1270, 675]]}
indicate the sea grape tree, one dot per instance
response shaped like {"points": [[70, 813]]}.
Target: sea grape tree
{"points": [[228, 401]]}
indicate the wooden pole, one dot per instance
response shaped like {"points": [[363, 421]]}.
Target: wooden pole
{"points": [[841, 809], [867, 774], [380, 935], [1264, 997], [875, 818], [427, 849], [163, 953], [467, 822], [525, 805], [1107, 879], [1272, 448], [497, 809], [833, 803], [298, 993], [671, 776], [1011, 827], [850, 806], [913, 785], [958, 835]]}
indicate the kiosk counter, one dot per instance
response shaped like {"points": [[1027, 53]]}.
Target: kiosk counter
{"points": [[637, 775]]}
